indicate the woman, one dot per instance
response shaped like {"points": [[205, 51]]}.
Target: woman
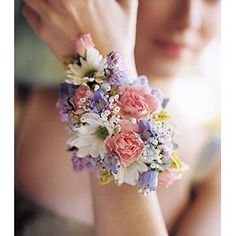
{"points": [[156, 38]]}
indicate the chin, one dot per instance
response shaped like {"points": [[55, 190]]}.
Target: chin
{"points": [[163, 67], [165, 70]]}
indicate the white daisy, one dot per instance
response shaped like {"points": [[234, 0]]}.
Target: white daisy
{"points": [[91, 67], [89, 138], [130, 174]]}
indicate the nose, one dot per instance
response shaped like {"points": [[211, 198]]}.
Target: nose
{"points": [[188, 14]]}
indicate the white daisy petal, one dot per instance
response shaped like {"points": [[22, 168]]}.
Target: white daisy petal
{"points": [[82, 152], [87, 129], [119, 177], [94, 62], [92, 118], [94, 149], [88, 141], [72, 141], [85, 140], [102, 149], [131, 177], [141, 167]]}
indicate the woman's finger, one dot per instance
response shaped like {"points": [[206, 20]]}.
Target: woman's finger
{"points": [[57, 4], [32, 17], [41, 7], [50, 16], [35, 22]]}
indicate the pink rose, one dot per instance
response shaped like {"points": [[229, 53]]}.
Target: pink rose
{"points": [[137, 101], [127, 145], [83, 43], [81, 95]]}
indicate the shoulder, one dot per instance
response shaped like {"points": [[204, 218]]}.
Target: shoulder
{"points": [[199, 148]]}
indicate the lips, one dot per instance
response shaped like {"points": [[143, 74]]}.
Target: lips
{"points": [[172, 48]]}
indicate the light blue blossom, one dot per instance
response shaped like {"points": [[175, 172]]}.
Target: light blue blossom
{"points": [[148, 181]]}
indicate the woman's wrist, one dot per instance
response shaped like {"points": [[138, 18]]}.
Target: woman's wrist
{"points": [[111, 189], [130, 65], [119, 210]]}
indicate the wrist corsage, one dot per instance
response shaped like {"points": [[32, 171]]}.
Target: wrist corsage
{"points": [[119, 126]]}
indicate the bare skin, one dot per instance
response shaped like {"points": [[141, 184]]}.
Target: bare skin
{"points": [[43, 167], [51, 181]]}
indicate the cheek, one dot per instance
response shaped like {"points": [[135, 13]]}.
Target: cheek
{"points": [[152, 20], [152, 15], [210, 26]]}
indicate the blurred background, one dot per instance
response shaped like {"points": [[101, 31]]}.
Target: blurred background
{"points": [[202, 88], [36, 66]]}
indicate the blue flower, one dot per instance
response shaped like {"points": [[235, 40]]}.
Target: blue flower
{"points": [[148, 181], [142, 80], [145, 130], [99, 101]]}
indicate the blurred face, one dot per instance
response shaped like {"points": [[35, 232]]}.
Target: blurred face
{"points": [[172, 33]]}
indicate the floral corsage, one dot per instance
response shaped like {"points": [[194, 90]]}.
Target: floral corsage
{"points": [[119, 127]]}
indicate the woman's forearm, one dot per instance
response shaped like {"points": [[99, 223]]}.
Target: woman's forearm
{"points": [[122, 211], [203, 216]]}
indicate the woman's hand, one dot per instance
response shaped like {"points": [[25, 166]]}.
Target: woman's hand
{"points": [[59, 23]]}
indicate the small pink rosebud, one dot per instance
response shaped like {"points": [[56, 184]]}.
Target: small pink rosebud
{"points": [[83, 43]]}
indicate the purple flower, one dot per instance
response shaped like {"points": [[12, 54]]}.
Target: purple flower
{"points": [[64, 113], [84, 163], [158, 93], [98, 102], [118, 76], [113, 59], [66, 90], [145, 129], [148, 180], [167, 149], [62, 110], [111, 162]]}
